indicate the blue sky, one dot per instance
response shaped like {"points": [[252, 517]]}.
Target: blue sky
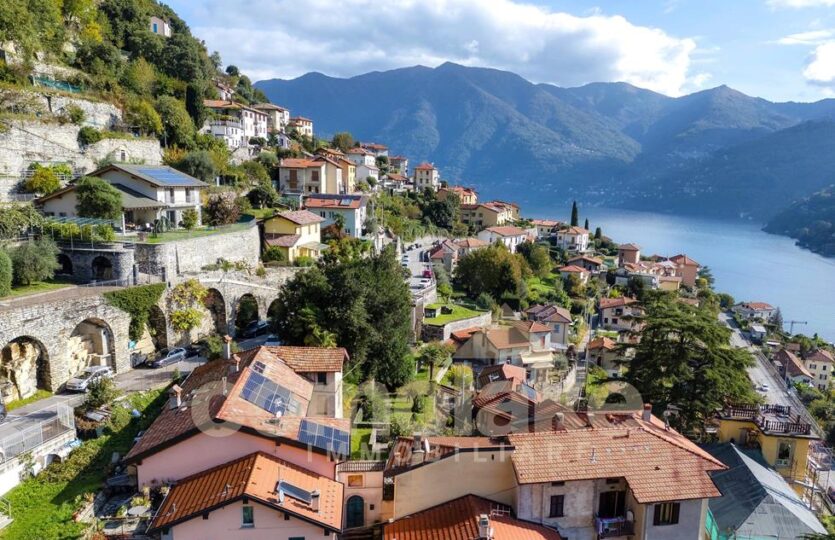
{"points": [[776, 49]]}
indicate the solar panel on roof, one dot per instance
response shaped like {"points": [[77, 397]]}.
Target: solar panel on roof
{"points": [[294, 491], [167, 176], [258, 367], [268, 395], [345, 202], [527, 391], [325, 437]]}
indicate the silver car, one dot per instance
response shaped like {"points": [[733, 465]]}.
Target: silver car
{"points": [[81, 382]]}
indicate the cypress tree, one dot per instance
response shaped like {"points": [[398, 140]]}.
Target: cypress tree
{"points": [[586, 226], [575, 217]]}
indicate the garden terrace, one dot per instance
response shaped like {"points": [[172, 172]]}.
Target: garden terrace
{"points": [[771, 419]]}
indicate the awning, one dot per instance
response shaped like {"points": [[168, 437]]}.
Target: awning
{"points": [[314, 246], [133, 200]]}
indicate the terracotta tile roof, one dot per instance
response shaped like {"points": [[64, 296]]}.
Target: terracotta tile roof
{"points": [[311, 359], [501, 372], [374, 146], [820, 355], [530, 326], [575, 230], [549, 313], [360, 466], [506, 337], [281, 240], [425, 166], [507, 230], [298, 163], [684, 260], [221, 104], [495, 390], [546, 222], [602, 343], [458, 520], [314, 201], [572, 269], [255, 476], [794, 367], [301, 217], [358, 151], [658, 465], [606, 303], [301, 119], [394, 177], [400, 456], [629, 247], [586, 258], [470, 243], [757, 306], [268, 107], [465, 334]]}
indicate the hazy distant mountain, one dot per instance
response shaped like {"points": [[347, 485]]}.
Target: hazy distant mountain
{"points": [[810, 221], [608, 142]]}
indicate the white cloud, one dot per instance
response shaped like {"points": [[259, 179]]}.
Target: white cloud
{"points": [[287, 38], [813, 37], [821, 68], [797, 4]]}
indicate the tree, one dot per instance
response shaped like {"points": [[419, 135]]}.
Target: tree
{"points": [[537, 256], [598, 233], [34, 261], [364, 302], [43, 181], [6, 274], [198, 164], [684, 359], [97, 199], [586, 225], [339, 223], [445, 291], [445, 213], [177, 124], [142, 115], [190, 219], [434, 354], [222, 208], [575, 218], [371, 181], [263, 195], [777, 320], [493, 270], [343, 140], [232, 70], [194, 103]]}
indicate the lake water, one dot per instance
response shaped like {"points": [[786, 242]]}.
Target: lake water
{"points": [[746, 262]]}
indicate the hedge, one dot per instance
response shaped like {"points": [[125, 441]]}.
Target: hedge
{"points": [[137, 301]]}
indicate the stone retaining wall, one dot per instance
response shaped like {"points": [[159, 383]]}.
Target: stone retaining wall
{"points": [[443, 332]]}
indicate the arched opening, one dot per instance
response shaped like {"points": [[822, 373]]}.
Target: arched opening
{"points": [[102, 269], [247, 312], [64, 265], [272, 314], [157, 327], [354, 512], [91, 344], [24, 368], [217, 307]]}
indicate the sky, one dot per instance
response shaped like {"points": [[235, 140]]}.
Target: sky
{"points": [[781, 50]]}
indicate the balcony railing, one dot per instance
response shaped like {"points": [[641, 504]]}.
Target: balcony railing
{"points": [[769, 418], [613, 527]]}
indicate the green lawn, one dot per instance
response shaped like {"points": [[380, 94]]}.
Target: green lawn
{"points": [[538, 287], [360, 442], [261, 213], [39, 287], [37, 396], [458, 313], [43, 506]]}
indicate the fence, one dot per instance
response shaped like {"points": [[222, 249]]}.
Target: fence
{"points": [[29, 438]]}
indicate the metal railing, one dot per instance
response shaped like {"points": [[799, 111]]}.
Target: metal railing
{"points": [[613, 527], [30, 438]]}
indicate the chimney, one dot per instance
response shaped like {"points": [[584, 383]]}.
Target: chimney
{"points": [[646, 415], [417, 441], [485, 531], [224, 385], [314, 501], [559, 421], [418, 452], [227, 347], [175, 397], [590, 419]]}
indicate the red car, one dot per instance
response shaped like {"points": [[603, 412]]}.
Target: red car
{"points": [[427, 273]]}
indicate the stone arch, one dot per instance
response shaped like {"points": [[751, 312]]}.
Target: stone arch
{"points": [[216, 305], [272, 313], [158, 327], [247, 310], [24, 368], [102, 269], [354, 512], [65, 267], [91, 343]]}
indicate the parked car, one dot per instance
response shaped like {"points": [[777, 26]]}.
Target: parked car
{"points": [[764, 387], [272, 341], [3, 412], [167, 357], [427, 273], [255, 328], [81, 382]]}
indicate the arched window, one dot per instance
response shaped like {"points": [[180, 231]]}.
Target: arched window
{"points": [[354, 512]]}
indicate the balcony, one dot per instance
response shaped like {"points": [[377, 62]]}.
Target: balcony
{"points": [[771, 419], [613, 527]]}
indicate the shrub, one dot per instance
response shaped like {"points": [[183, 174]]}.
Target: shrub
{"points": [[101, 392], [89, 135], [272, 254], [190, 219], [186, 319], [137, 301], [35, 261], [198, 164], [6, 274], [141, 114], [304, 260], [104, 233], [97, 199], [75, 114], [221, 208], [43, 181]]}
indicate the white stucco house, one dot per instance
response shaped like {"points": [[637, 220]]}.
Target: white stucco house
{"points": [[352, 208], [508, 235]]}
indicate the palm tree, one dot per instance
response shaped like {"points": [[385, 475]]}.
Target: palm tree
{"points": [[339, 224]]}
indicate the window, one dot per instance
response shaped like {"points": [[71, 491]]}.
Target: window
{"points": [[666, 514], [614, 321], [355, 480], [247, 517], [321, 378], [784, 453], [557, 506]]}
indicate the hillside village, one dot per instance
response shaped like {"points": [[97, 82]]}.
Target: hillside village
{"points": [[217, 323]]}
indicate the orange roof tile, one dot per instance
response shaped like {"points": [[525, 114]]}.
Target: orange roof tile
{"points": [[458, 520], [606, 303], [255, 476], [530, 326], [575, 230], [586, 258], [506, 337], [573, 269], [425, 166], [658, 465], [602, 343], [301, 217], [470, 243], [299, 163], [400, 456], [792, 363], [758, 306], [507, 230], [312, 201], [312, 359], [820, 355], [501, 372], [685, 260], [629, 247]]}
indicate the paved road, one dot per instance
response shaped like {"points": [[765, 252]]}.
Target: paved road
{"points": [[416, 266], [68, 293]]}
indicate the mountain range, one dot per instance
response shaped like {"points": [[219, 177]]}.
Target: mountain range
{"points": [[717, 152]]}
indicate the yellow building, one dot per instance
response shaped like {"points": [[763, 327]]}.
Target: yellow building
{"points": [[297, 233], [783, 438]]}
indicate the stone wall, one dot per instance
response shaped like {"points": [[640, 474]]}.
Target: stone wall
{"points": [[442, 332], [190, 256], [121, 261], [51, 325], [97, 114]]}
